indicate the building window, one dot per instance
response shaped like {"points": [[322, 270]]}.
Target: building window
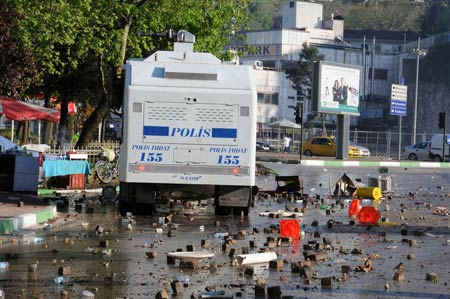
{"points": [[380, 74], [269, 64], [291, 4], [268, 98]]}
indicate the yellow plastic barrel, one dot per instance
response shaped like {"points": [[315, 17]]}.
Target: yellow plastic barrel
{"points": [[368, 192]]}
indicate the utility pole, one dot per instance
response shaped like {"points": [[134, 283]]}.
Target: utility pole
{"points": [[418, 53], [373, 70]]}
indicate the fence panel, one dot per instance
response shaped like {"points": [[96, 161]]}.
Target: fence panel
{"points": [[93, 150], [383, 144]]}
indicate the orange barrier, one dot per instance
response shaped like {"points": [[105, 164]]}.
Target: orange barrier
{"points": [[290, 228]]}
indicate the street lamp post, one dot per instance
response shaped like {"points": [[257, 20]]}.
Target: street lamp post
{"points": [[418, 52]]}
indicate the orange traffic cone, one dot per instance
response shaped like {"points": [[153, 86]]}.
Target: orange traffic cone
{"points": [[290, 228], [368, 214], [354, 208]]}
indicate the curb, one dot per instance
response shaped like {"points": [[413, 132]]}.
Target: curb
{"points": [[334, 163], [28, 220]]}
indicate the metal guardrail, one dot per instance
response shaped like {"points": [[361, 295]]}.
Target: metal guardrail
{"points": [[383, 144], [92, 150]]}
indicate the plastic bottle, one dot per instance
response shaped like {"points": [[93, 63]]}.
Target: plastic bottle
{"points": [[38, 240], [59, 280], [221, 235], [4, 265], [87, 294]]}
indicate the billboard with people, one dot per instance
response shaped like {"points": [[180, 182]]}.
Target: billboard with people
{"points": [[336, 88]]}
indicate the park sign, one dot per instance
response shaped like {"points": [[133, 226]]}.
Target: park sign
{"points": [[398, 99]]}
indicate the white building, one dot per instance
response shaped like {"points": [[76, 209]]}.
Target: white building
{"points": [[303, 23]]}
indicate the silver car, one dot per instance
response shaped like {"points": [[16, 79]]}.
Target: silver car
{"points": [[417, 152]]}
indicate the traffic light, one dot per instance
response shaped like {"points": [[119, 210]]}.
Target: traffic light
{"points": [[298, 113], [442, 116]]}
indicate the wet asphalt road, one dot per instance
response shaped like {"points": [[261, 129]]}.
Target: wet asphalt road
{"points": [[137, 276]]}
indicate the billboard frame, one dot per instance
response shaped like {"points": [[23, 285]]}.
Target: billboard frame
{"points": [[331, 106]]}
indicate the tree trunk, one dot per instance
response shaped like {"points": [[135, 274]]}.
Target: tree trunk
{"points": [[71, 122], [25, 132], [99, 113], [19, 131], [63, 132], [104, 104], [48, 126]]}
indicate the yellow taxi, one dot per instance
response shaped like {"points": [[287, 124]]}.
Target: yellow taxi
{"points": [[325, 146]]}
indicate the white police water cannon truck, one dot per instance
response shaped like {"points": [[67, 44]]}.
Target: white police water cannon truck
{"points": [[189, 130]]}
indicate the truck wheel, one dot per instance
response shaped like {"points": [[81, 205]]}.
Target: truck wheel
{"points": [[437, 158], [220, 210], [124, 208], [109, 193], [238, 210], [412, 157]]}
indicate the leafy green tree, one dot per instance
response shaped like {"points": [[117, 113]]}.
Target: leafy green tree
{"points": [[78, 42], [300, 73], [50, 29], [398, 15], [437, 56], [16, 62], [441, 19], [264, 14]]}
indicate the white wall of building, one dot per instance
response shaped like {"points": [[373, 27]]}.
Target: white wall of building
{"points": [[302, 24], [272, 82], [298, 14]]}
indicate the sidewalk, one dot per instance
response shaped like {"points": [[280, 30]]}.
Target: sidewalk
{"points": [[14, 217], [291, 158]]}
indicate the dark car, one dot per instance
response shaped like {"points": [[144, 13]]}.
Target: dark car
{"points": [[263, 146]]}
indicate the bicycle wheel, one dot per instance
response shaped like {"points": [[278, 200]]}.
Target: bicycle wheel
{"points": [[104, 171]]}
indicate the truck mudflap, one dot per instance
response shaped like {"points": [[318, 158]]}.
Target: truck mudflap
{"points": [[236, 199]]}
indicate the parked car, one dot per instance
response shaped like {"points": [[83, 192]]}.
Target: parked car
{"points": [[9, 147], [325, 146], [263, 146], [419, 151], [363, 151], [435, 152]]}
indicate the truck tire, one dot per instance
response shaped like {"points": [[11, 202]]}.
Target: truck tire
{"points": [[222, 211], [437, 158], [240, 210], [109, 193], [412, 156]]}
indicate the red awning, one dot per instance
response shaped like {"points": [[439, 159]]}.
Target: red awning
{"points": [[19, 111]]}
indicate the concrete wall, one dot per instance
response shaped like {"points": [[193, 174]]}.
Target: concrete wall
{"points": [[302, 15], [270, 82]]}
